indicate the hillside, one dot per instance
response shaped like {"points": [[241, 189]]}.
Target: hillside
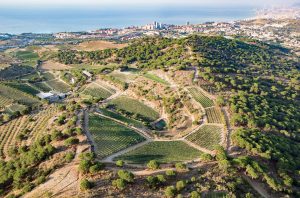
{"points": [[200, 115]]}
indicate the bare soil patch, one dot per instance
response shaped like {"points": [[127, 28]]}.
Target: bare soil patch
{"points": [[51, 65], [98, 45]]}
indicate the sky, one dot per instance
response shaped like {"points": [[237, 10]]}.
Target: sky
{"points": [[137, 3]]}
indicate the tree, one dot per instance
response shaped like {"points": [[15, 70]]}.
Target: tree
{"points": [[220, 101], [180, 185], [69, 156], [71, 141], [84, 166], [195, 194], [119, 183], [170, 191], [153, 165], [120, 163], [206, 157], [180, 166], [170, 173], [85, 184], [126, 175]]}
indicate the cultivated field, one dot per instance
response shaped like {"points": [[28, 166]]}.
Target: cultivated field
{"points": [[32, 126], [18, 96], [111, 137], [155, 78], [200, 97], [96, 91], [135, 107], [162, 151], [98, 45], [24, 87], [214, 115], [58, 85], [208, 136], [51, 65]]}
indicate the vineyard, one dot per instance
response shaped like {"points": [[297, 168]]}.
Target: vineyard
{"points": [[135, 107], [162, 151], [42, 86], [117, 116], [30, 126], [24, 87], [59, 86], [4, 101], [208, 136], [200, 97], [155, 78], [96, 91], [111, 137], [18, 96], [214, 115]]}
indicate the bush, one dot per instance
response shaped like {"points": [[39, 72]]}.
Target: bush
{"points": [[78, 131], [170, 191], [56, 135], [96, 168], [180, 166], [161, 178], [120, 163], [195, 194], [69, 156], [71, 141], [119, 183], [84, 166], [126, 175], [180, 185], [153, 165], [85, 184], [206, 157], [40, 180], [170, 173]]}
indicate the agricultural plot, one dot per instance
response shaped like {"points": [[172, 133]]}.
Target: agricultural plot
{"points": [[18, 96], [42, 86], [155, 78], [58, 86], [208, 136], [200, 97], [162, 151], [117, 116], [24, 87], [28, 57], [34, 126], [123, 76], [96, 91], [14, 108], [48, 76], [111, 137], [4, 101], [135, 107], [214, 115]]}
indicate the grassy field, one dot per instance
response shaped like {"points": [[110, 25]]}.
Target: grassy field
{"points": [[208, 136], [135, 107], [18, 96], [117, 116], [214, 115], [155, 78], [28, 57], [96, 91], [163, 152], [200, 97], [111, 137]]}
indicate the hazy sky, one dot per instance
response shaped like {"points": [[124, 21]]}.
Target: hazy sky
{"points": [[99, 3]]}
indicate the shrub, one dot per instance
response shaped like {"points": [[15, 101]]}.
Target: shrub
{"points": [[161, 178], [119, 183], [180, 166], [206, 157], [69, 156], [84, 166], [195, 194], [170, 191], [40, 180], [97, 167], [170, 173], [56, 135], [120, 163], [71, 141], [180, 185], [78, 131], [153, 165], [126, 175], [85, 184]]}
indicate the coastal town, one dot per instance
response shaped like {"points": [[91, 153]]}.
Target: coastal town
{"points": [[269, 26]]}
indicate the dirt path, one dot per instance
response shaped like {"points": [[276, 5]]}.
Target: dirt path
{"points": [[110, 158], [257, 186], [229, 129]]}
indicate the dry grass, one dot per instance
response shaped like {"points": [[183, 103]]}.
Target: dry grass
{"points": [[98, 45], [51, 65]]}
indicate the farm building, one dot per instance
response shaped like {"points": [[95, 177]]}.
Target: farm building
{"points": [[51, 96]]}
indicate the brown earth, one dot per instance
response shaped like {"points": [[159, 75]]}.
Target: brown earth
{"points": [[51, 65], [98, 45]]}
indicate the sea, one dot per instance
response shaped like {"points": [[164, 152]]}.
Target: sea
{"points": [[52, 20]]}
